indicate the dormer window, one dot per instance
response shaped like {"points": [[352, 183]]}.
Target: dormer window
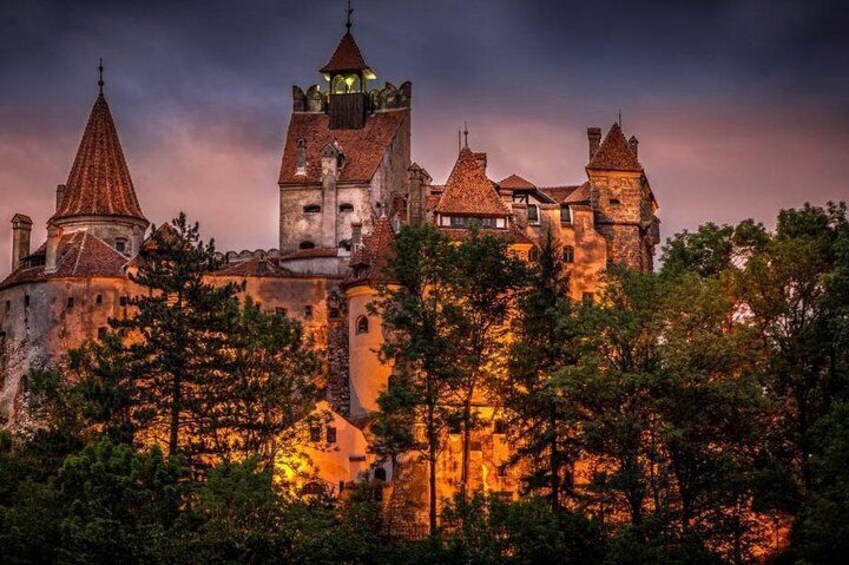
{"points": [[312, 209], [565, 214], [121, 245], [614, 202]]}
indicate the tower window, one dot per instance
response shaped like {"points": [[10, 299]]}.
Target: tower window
{"points": [[70, 302], [26, 301], [306, 245], [565, 214], [312, 209], [331, 434], [315, 434], [346, 207], [121, 245], [568, 254], [308, 312], [533, 214], [362, 325], [99, 299]]}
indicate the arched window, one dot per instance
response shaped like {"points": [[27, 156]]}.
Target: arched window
{"points": [[346, 207], [339, 86], [312, 209], [306, 245], [355, 85], [362, 325], [568, 254]]}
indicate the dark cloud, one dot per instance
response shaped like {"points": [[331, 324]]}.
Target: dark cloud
{"points": [[742, 107]]}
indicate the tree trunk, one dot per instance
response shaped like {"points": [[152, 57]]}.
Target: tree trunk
{"points": [[432, 486], [176, 400], [467, 440], [554, 462]]}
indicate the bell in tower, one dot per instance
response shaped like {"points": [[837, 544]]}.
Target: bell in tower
{"points": [[348, 73]]}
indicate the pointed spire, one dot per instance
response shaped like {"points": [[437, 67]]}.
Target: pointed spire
{"points": [[99, 183], [100, 74], [614, 153], [350, 11], [466, 133], [346, 58]]}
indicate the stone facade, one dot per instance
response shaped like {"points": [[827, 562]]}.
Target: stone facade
{"points": [[346, 182]]}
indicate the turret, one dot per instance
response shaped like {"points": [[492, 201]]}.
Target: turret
{"points": [[21, 237]]}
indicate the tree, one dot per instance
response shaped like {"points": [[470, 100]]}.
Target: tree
{"points": [[484, 279], [423, 340], [546, 335]]}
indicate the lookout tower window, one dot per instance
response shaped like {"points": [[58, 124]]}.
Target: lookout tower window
{"points": [[362, 325]]}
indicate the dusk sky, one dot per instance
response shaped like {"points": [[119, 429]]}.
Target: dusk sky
{"points": [[741, 108]]}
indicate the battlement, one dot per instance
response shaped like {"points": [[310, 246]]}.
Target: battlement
{"points": [[389, 97]]}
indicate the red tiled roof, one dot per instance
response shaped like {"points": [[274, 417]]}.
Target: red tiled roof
{"points": [[614, 154], [251, 267], [347, 57], [580, 194], [568, 194], [431, 202], [80, 254], [469, 192], [369, 261], [99, 183], [515, 182], [312, 253], [364, 148]]}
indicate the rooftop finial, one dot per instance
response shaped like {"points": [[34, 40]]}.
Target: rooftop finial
{"points": [[466, 133], [350, 11], [620, 118], [100, 73]]}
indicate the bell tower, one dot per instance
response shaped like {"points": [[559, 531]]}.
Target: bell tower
{"points": [[348, 75]]}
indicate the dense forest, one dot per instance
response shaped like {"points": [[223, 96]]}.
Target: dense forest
{"points": [[698, 414]]}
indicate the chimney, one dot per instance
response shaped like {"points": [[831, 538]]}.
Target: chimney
{"points": [[594, 136], [634, 143], [418, 183], [330, 165], [60, 195], [301, 153], [356, 235], [54, 234], [21, 232]]}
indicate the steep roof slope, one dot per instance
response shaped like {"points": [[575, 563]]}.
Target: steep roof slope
{"points": [[614, 153], [347, 57], [468, 191], [99, 183]]}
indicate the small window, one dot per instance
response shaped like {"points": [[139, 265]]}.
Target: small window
{"points": [[70, 302], [565, 214], [331, 434], [345, 244], [280, 311], [123, 301], [26, 301], [362, 325], [568, 254], [533, 214], [486, 222], [458, 221], [99, 299], [308, 312], [499, 427], [121, 245], [8, 306], [346, 207], [312, 209], [315, 434], [380, 474], [614, 202], [306, 245]]}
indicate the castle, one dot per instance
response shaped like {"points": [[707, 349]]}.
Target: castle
{"points": [[347, 183]]}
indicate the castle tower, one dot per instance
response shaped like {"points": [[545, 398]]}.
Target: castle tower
{"points": [[346, 158], [622, 200], [99, 195]]}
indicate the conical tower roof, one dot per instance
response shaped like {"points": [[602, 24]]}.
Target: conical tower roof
{"points": [[346, 58], [99, 183], [615, 154], [468, 191]]}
